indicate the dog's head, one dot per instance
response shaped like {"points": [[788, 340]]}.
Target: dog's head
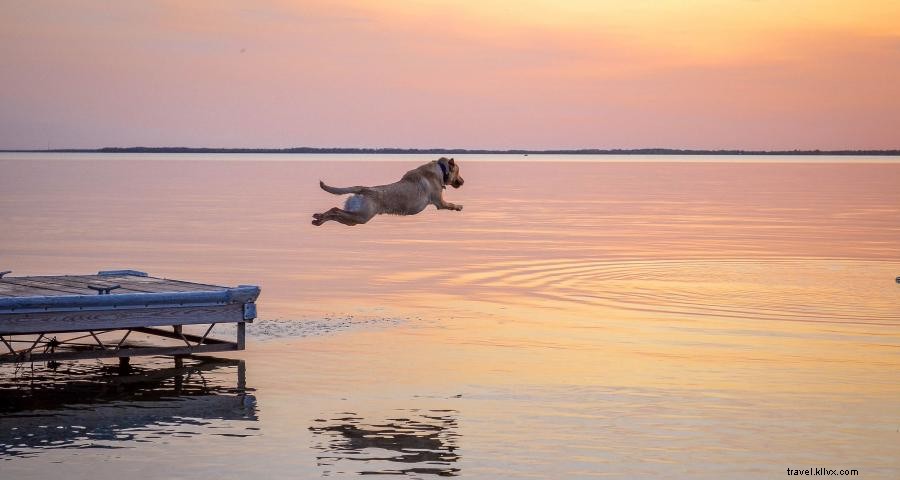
{"points": [[451, 177]]}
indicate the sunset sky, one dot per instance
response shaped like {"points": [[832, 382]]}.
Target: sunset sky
{"points": [[765, 74]]}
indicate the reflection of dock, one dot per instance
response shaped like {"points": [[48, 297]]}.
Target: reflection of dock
{"points": [[416, 442], [39, 316], [95, 406]]}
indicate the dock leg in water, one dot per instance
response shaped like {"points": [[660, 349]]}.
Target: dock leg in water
{"points": [[179, 379], [242, 376], [124, 365]]}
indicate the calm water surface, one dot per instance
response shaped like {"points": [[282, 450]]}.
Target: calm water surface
{"points": [[606, 317]]}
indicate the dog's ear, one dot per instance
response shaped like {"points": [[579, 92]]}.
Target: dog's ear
{"points": [[451, 162]]}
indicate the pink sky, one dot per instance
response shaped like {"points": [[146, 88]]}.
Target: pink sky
{"points": [[490, 74]]}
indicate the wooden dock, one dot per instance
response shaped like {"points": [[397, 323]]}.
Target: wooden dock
{"points": [[40, 316]]}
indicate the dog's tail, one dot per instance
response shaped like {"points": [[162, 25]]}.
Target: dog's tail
{"points": [[339, 190]]}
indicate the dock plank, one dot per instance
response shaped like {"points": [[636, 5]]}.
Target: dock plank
{"points": [[74, 286], [190, 284], [150, 284], [85, 280], [124, 281], [43, 285], [10, 287]]}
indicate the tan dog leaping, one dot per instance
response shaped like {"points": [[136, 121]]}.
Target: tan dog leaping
{"points": [[416, 190]]}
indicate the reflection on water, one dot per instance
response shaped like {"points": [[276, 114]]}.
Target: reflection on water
{"points": [[93, 405], [415, 442]]}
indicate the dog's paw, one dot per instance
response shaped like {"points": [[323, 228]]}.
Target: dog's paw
{"points": [[458, 208]]}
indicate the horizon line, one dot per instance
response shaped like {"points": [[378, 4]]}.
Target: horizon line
{"points": [[515, 151]]}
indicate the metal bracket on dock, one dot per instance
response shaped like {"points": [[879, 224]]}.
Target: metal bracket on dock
{"points": [[81, 346], [249, 311], [103, 290], [135, 273]]}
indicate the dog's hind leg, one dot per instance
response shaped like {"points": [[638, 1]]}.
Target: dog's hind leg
{"points": [[320, 218], [341, 216]]}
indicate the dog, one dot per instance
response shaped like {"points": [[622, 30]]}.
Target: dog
{"points": [[417, 189]]}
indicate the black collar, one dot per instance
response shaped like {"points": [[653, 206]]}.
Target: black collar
{"points": [[446, 173]]}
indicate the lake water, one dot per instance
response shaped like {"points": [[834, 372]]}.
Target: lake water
{"points": [[624, 317]]}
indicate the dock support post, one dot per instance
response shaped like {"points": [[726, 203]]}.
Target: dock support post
{"points": [[124, 365], [242, 376], [179, 378], [241, 335]]}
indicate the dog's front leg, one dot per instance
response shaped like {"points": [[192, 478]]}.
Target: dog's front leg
{"points": [[442, 204]]}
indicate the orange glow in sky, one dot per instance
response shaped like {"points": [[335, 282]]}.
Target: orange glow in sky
{"points": [[537, 74]]}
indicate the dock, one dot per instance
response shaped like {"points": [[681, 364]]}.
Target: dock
{"points": [[73, 317]]}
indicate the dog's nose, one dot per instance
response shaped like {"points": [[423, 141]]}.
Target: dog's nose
{"points": [[461, 181]]}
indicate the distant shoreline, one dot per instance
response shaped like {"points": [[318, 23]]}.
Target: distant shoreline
{"points": [[455, 151]]}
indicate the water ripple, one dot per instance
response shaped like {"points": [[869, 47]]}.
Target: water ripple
{"points": [[798, 290]]}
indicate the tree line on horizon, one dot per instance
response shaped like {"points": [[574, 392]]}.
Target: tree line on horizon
{"points": [[462, 151]]}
